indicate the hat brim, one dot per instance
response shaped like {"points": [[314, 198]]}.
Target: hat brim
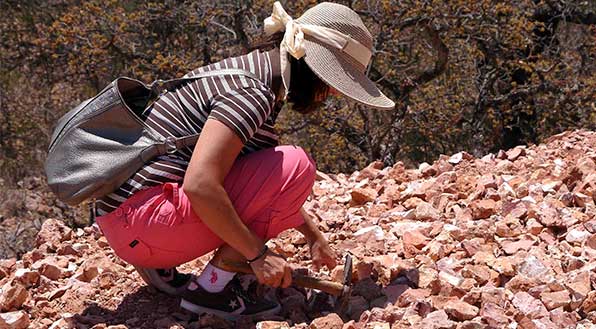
{"points": [[341, 72]]}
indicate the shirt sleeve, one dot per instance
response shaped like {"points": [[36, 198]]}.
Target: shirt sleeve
{"points": [[243, 110]]}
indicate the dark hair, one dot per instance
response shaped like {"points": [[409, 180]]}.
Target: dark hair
{"points": [[307, 92]]}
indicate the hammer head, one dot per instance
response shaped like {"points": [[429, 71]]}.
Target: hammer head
{"points": [[343, 300]]}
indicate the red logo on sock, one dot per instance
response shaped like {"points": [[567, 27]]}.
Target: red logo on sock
{"points": [[213, 277]]}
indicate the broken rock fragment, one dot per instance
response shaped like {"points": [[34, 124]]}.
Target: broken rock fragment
{"points": [[361, 196], [331, 321], [14, 320], [426, 212], [437, 320], [555, 299], [505, 241], [272, 325], [13, 295], [529, 306], [460, 311], [483, 208]]}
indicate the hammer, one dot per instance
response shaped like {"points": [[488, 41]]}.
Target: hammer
{"points": [[340, 290]]}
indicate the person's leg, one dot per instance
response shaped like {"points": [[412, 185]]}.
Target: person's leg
{"points": [[268, 190], [157, 228]]}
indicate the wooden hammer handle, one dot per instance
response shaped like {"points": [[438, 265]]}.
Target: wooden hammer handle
{"points": [[330, 287]]}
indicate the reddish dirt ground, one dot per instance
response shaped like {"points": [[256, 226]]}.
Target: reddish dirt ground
{"points": [[505, 241]]}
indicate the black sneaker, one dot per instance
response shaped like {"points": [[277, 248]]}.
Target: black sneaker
{"points": [[169, 281], [231, 303]]}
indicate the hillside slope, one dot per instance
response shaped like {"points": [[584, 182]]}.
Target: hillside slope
{"points": [[506, 241]]}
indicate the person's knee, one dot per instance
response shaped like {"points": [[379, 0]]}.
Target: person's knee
{"points": [[303, 164]]}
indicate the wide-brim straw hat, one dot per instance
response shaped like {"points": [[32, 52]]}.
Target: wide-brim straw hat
{"points": [[335, 67]]}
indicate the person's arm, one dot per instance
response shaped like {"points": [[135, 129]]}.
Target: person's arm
{"points": [[213, 157], [320, 251], [309, 228]]}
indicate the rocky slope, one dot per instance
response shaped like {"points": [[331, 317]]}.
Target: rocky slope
{"points": [[505, 241]]}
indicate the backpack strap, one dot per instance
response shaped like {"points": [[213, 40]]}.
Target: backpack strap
{"points": [[159, 86], [173, 144]]}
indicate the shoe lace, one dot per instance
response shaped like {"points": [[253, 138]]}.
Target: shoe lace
{"points": [[238, 290]]}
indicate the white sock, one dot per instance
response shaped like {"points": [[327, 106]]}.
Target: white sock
{"points": [[213, 279]]}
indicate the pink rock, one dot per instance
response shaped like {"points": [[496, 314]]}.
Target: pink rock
{"points": [[321, 176], [415, 238], [529, 306], [472, 246], [591, 242], [532, 267], [555, 299], [537, 323], [576, 236], [472, 324], [272, 325], [425, 211], [13, 295], [590, 225], [589, 304], [14, 320], [521, 282], [350, 325], [481, 273], [412, 295], [7, 266], [69, 323], [494, 315], [458, 157], [437, 320], [461, 311], [371, 171], [360, 196], [53, 231], [562, 319], [515, 153], [533, 226], [578, 284], [513, 247], [26, 277], [428, 278], [503, 265], [52, 267], [451, 278], [440, 302], [549, 217], [586, 166], [427, 170], [330, 321], [412, 203], [483, 208], [509, 227], [51, 271]]}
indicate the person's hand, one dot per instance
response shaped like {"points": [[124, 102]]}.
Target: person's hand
{"points": [[321, 254], [272, 270]]}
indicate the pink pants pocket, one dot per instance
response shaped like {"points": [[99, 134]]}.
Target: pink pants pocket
{"points": [[136, 252]]}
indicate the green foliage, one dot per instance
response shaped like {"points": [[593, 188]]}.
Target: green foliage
{"points": [[477, 76]]}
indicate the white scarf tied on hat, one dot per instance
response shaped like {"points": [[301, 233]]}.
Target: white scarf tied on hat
{"points": [[293, 41]]}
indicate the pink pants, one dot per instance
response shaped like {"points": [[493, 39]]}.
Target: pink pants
{"points": [[157, 228]]}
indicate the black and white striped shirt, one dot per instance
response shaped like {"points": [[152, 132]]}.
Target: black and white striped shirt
{"points": [[246, 106]]}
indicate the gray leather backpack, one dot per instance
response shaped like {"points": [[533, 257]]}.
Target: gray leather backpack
{"points": [[103, 141]]}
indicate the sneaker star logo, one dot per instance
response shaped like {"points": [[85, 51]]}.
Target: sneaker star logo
{"points": [[233, 304]]}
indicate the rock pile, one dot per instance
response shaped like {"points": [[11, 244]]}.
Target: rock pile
{"points": [[505, 241]]}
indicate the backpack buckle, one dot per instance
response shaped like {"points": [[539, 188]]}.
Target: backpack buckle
{"points": [[170, 144]]}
